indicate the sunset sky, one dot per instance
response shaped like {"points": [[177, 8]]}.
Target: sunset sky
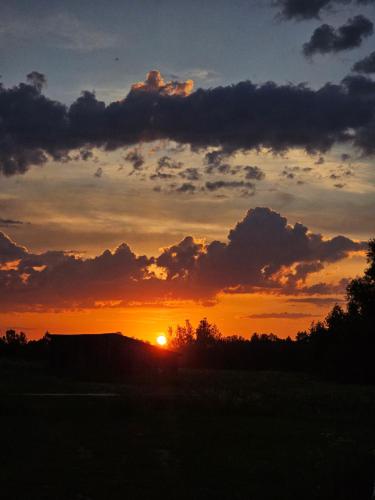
{"points": [[168, 160]]}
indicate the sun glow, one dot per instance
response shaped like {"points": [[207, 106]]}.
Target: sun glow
{"points": [[161, 340]]}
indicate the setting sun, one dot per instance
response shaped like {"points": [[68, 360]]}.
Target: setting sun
{"points": [[161, 340]]}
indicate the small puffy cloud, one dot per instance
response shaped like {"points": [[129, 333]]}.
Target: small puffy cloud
{"points": [[254, 172], [168, 163], [326, 38], [136, 159], [155, 83], [186, 187], [190, 174]]}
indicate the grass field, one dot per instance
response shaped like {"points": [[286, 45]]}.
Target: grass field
{"points": [[203, 435]]}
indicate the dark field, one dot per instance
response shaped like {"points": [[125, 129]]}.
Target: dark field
{"points": [[203, 435]]}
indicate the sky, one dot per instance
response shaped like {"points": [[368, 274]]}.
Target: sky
{"points": [[163, 161]]}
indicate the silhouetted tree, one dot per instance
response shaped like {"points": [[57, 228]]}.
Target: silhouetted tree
{"points": [[12, 338], [206, 333], [343, 345]]}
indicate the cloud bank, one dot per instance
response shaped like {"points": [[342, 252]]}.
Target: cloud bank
{"points": [[244, 116], [263, 253]]}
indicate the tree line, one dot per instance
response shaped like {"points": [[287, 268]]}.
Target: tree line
{"points": [[342, 346]]}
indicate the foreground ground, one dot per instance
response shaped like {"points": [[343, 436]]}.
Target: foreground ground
{"points": [[203, 435]]}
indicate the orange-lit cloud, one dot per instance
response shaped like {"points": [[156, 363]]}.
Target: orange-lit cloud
{"points": [[155, 83], [263, 254]]}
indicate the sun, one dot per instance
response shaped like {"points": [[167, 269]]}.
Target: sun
{"points": [[161, 340]]}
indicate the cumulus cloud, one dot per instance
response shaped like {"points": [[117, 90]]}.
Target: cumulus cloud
{"points": [[263, 253], [245, 116], [166, 162], [155, 83], [326, 38], [309, 9], [186, 187], [365, 65], [136, 159], [190, 174], [254, 172]]}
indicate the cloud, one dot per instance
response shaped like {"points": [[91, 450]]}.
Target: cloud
{"points": [[326, 38], [136, 159], [98, 173], [284, 315], [262, 254], [166, 162], [309, 9], [254, 172], [248, 187], [155, 83], [245, 116], [191, 174], [186, 187], [365, 65], [10, 222], [317, 301], [10, 251]]}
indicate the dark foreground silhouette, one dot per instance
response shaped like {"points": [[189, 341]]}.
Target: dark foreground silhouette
{"points": [[267, 430]]}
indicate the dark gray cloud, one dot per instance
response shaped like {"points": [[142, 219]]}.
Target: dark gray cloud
{"points": [[161, 176], [186, 187], [309, 9], [190, 174], [166, 162], [254, 172], [365, 65], [244, 116], [326, 38], [136, 159]]}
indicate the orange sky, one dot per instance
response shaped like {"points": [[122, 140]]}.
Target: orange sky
{"points": [[230, 313]]}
